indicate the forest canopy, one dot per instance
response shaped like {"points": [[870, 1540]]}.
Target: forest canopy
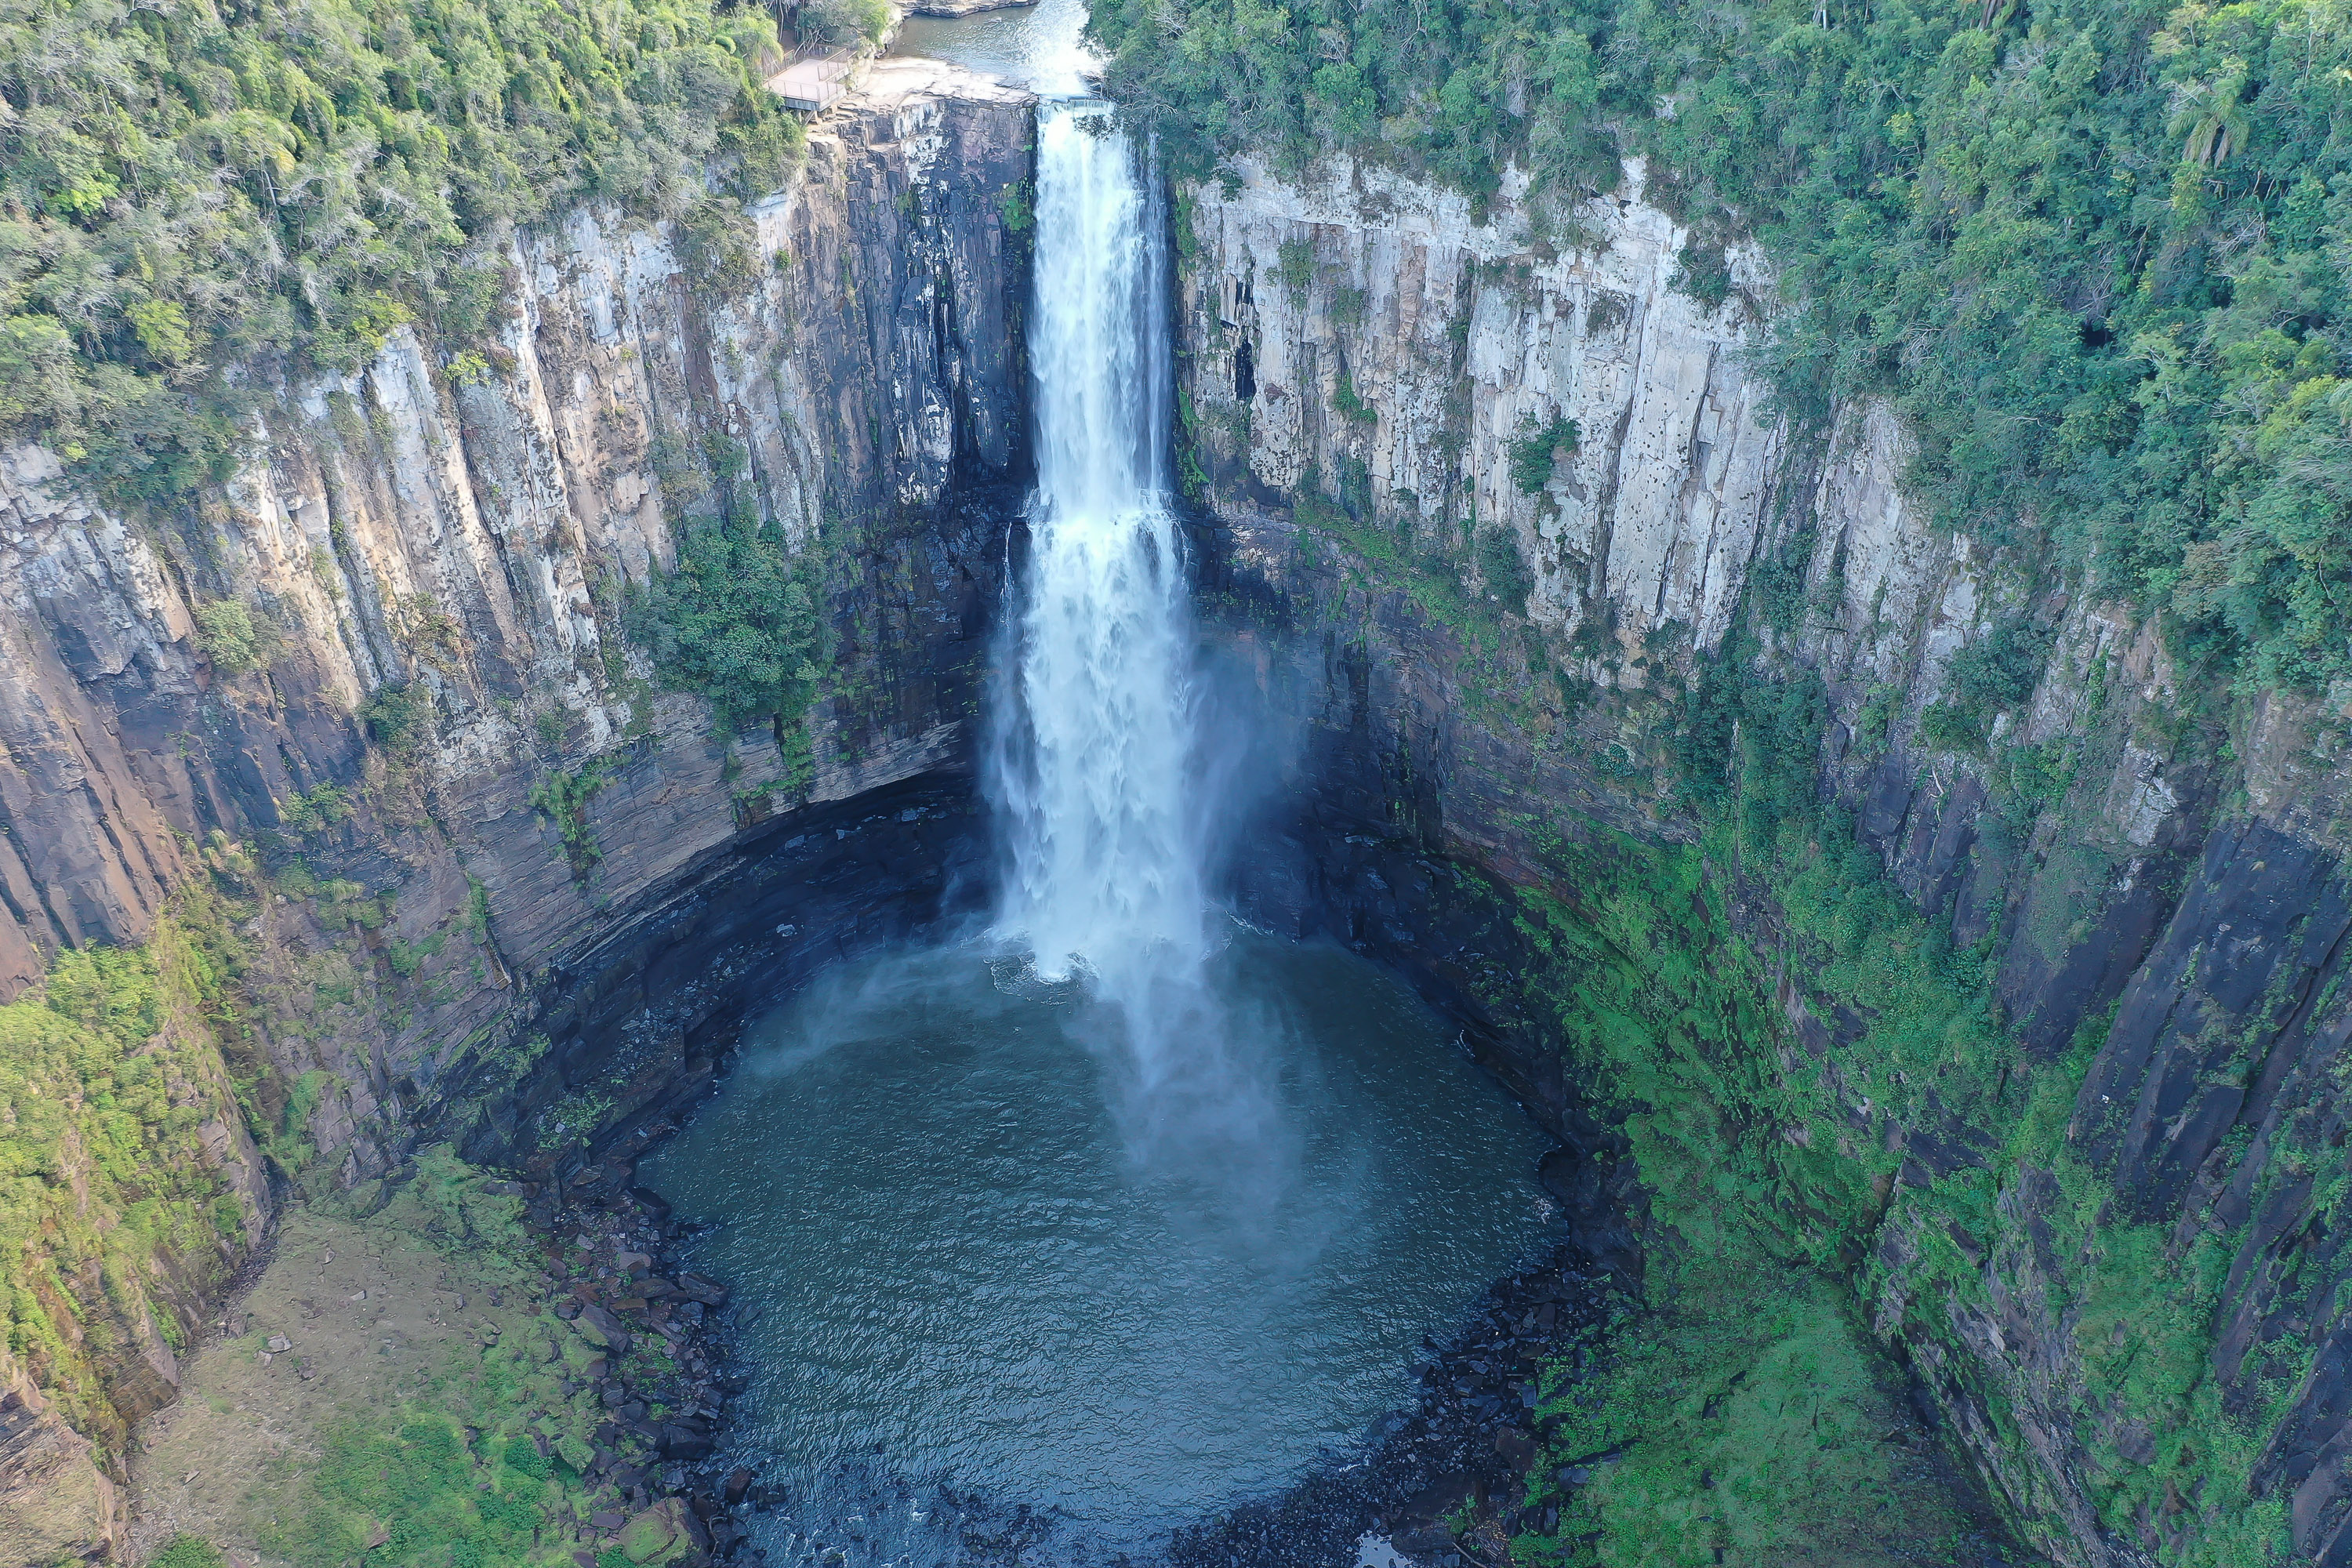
{"points": [[2095, 250], [192, 191]]}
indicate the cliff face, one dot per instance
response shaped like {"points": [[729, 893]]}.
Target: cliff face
{"points": [[1385, 336], [1490, 506], [459, 528], [440, 552], [1372, 383]]}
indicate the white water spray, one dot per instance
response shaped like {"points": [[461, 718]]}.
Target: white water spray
{"points": [[1095, 727]]}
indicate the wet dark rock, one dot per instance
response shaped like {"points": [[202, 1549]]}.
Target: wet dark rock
{"points": [[709, 1292], [683, 1442], [613, 1334]]}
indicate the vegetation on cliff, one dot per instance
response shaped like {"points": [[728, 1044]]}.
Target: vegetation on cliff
{"points": [[1765, 1130], [736, 622], [115, 1215], [2094, 251], [192, 193]]}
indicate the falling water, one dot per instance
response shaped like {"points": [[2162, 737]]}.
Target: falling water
{"points": [[980, 1277], [1095, 734]]}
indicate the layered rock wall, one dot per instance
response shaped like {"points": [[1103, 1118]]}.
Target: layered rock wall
{"points": [[1379, 328], [2167, 904], [436, 559]]}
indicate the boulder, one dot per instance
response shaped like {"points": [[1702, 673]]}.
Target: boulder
{"points": [[695, 1288], [683, 1441], [658, 1534], [602, 1328]]}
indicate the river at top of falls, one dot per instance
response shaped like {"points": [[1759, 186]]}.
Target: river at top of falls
{"points": [[1117, 1213], [1040, 47]]}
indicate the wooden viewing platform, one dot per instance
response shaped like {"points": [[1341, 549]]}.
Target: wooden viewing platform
{"points": [[814, 85]]}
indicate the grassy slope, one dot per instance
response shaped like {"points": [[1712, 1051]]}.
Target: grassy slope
{"points": [[402, 1428]]}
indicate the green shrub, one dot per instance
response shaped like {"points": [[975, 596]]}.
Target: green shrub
{"points": [[1502, 569], [187, 1552], [1294, 267], [1775, 581], [736, 623], [232, 638], [562, 796], [395, 716], [1018, 215], [468, 368], [845, 21], [522, 1456], [315, 811], [1701, 272], [1990, 676], [1536, 450]]}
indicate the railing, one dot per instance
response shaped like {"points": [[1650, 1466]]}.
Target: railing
{"points": [[815, 84]]}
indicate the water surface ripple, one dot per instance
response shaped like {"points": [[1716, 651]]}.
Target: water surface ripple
{"points": [[956, 1262]]}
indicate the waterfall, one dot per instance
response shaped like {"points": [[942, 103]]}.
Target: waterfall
{"points": [[1094, 725]]}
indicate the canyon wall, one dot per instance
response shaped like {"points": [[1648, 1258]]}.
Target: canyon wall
{"points": [[1373, 376], [382, 685], [1484, 513]]}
